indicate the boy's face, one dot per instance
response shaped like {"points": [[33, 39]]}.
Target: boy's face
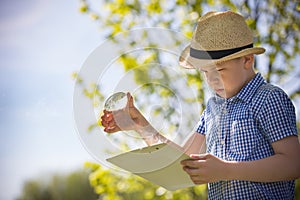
{"points": [[228, 78]]}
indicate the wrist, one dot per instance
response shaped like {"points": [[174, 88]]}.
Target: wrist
{"points": [[228, 170], [139, 120], [143, 123], [146, 129]]}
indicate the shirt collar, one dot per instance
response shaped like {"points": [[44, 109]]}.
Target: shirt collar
{"points": [[249, 90]]}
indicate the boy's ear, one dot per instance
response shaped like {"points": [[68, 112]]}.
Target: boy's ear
{"points": [[248, 61]]}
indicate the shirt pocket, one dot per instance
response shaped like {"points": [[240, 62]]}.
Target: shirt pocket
{"points": [[243, 140]]}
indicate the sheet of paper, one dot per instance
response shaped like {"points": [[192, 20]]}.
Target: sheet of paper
{"points": [[159, 164]]}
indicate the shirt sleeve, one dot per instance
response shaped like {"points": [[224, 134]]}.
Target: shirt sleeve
{"points": [[278, 118], [201, 124]]}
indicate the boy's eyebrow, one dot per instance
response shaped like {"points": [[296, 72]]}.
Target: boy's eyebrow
{"points": [[202, 70], [209, 69], [219, 67]]}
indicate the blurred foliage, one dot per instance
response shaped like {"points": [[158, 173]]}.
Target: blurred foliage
{"points": [[276, 26], [108, 185], [112, 186], [297, 190], [73, 186]]}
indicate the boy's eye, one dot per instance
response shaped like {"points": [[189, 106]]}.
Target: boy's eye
{"points": [[220, 69]]}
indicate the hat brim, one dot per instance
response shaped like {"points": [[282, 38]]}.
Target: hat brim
{"points": [[186, 61]]}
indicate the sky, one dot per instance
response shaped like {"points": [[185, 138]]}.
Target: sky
{"points": [[41, 44]]}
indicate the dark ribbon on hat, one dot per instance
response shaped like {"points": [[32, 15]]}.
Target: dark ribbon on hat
{"points": [[207, 55]]}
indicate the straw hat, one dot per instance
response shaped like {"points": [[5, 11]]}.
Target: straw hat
{"points": [[219, 37]]}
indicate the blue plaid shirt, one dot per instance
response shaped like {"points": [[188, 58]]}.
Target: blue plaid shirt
{"points": [[243, 128]]}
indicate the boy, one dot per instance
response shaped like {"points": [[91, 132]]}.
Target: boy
{"points": [[247, 135]]}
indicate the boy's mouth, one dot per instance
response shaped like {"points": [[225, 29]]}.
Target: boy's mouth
{"points": [[220, 91]]}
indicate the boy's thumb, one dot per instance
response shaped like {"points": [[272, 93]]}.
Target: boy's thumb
{"points": [[130, 99], [198, 156]]}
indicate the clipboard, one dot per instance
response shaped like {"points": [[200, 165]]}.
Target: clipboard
{"points": [[159, 164]]}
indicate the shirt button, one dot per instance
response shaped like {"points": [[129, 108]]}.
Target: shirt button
{"points": [[222, 142]]}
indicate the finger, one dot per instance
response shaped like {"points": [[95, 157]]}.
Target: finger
{"points": [[130, 100], [108, 124], [112, 129], [193, 163], [107, 112], [106, 117], [186, 162], [193, 171], [196, 178], [198, 181], [198, 156], [104, 123]]}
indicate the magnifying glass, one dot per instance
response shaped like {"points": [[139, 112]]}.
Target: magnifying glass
{"points": [[119, 101], [116, 101]]}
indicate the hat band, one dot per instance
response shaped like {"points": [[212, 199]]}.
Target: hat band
{"points": [[207, 55]]}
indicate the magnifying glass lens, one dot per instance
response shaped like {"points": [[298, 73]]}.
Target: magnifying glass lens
{"points": [[116, 101]]}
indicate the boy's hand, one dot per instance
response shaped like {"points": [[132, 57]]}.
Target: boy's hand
{"points": [[128, 118], [205, 168]]}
